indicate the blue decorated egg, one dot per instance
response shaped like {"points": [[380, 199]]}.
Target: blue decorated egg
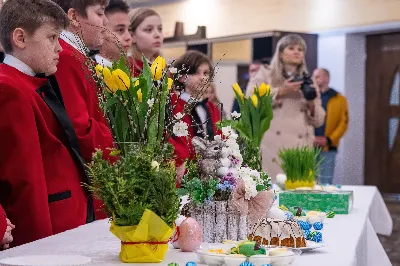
{"points": [[305, 225], [306, 234], [318, 226], [246, 263], [191, 263], [317, 237]]}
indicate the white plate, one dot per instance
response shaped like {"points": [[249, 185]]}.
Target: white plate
{"points": [[311, 245], [46, 260]]}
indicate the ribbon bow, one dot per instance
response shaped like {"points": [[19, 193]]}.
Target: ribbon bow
{"points": [[255, 208]]}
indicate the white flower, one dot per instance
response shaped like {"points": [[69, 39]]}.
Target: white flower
{"points": [[280, 178], [225, 162], [227, 131], [235, 115], [155, 165], [226, 151], [179, 116], [173, 70], [150, 102], [223, 171], [180, 129], [217, 137], [234, 136]]}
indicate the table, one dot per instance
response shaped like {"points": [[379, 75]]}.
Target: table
{"points": [[350, 240]]}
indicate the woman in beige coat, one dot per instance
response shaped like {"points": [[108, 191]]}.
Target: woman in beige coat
{"points": [[294, 117]]}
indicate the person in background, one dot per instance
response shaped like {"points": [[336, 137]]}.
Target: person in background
{"points": [[117, 38], [147, 33], [196, 70], [253, 69], [294, 117], [5, 230], [85, 32], [329, 134], [211, 95]]}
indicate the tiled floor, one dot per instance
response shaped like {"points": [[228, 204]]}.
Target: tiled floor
{"points": [[392, 243]]}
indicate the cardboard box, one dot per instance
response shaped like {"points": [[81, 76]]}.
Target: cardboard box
{"points": [[341, 202]]}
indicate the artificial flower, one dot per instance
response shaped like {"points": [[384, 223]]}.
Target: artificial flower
{"points": [[121, 79], [180, 129], [155, 165], [99, 69], [238, 90], [254, 100], [227, 131], [109, 80], [150, 102], [157, 68], [264, 89], [136, 83], [139, 95], [170, 82], [235, 115], [179, 116]]}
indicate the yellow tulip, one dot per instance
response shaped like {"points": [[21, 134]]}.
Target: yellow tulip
{"points": [[263, 89], [157, 68], [139, 95], [136, 83], [238, 90], [99, 69], [254, 99], [121, 79], [170, 81], [109, 80]]}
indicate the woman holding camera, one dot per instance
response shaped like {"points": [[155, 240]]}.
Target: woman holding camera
{"points": [[296, 104]]}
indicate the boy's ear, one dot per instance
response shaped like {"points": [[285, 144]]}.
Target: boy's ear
{"points": [[73, 17], [19, 38]]}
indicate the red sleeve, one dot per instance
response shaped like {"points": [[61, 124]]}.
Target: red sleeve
{"points": [[81, 102], [22, 177], [3, 223]]}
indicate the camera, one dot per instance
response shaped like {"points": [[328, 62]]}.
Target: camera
{"points": [[309, 92]]}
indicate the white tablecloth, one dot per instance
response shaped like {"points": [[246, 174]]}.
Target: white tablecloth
{"points": [[350, 240]]}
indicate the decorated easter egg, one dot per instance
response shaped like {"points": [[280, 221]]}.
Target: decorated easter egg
{"points": [[191, 235], [175, 236]]}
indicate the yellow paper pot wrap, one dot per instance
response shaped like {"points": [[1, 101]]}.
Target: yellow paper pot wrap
{"points": [[145, 242], [298, 184]]}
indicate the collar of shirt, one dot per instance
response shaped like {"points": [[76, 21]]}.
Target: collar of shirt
{"points": [[14, 62], [75, 41], [102, 61]]}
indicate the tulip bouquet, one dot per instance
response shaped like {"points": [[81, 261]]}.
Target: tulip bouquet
{"points": [[138, 188], [252, 122]]}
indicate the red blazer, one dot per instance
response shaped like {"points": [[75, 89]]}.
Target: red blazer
{"points": [[82, 104], [81, 101], [3, 223], [136, 66], [40, 183], [183, 147]]}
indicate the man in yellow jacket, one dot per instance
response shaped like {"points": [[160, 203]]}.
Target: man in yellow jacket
{"points": [[336, 122]]}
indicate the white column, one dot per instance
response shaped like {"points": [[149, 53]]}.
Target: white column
{"points": [[344, 56]]}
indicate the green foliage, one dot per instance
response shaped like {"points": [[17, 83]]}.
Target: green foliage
{"points": [[131, 184], [300, 164], [198, 191]]}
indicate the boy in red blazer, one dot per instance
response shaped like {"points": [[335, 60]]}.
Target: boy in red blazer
{"points": [[195, 70], [41, 171], [85, 32]]}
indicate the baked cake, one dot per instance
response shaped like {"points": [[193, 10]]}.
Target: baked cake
{"points": [[285, 233]]}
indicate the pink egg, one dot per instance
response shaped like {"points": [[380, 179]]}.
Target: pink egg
{"points": [[191, 235]]}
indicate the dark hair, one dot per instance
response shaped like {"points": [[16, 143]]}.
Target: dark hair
{"points": [[28, 15], [117, 6], [189, 63], [79, 5]]}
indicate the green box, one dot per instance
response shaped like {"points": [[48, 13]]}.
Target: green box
{"points": [[341, 202]]}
